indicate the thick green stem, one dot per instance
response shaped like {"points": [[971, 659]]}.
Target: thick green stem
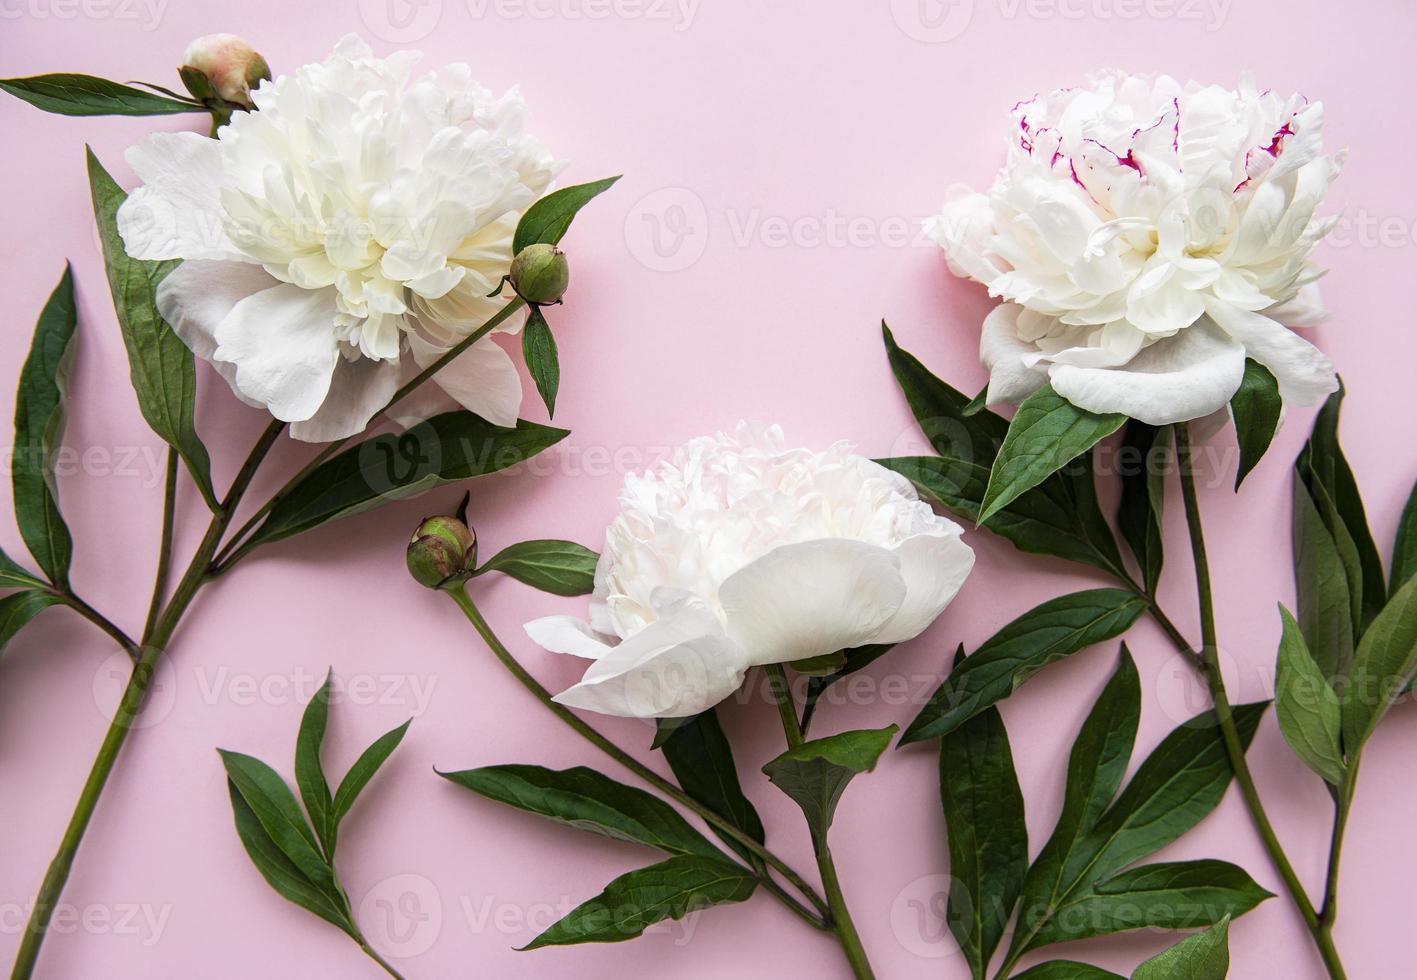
{"points": [[102, 622], [841, 921], [164, 549], [1234, 747], [464, 602], [131, 705]]}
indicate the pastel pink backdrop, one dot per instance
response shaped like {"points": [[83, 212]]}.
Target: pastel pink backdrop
{"points": [[782, 154]]}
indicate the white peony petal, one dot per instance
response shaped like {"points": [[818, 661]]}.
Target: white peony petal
{"points": [[281, 342], [198, 295], [1306, 309], [1305, 375], [811, 598], [358, 390], [1174, 380], [1002, 353], [566, 634], [934, 567], [963, 229], [483, 379], [177, 213]]}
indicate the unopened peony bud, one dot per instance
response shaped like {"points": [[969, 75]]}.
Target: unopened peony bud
{"points": [[540, 274], [229, 66], [442, 553]]}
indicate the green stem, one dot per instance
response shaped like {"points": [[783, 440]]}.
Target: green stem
{"points": [[842, 924], [131, 705], [239, 547], [164, 551], [373, 954], [1234, 747], [464, 602], [101, 621]]}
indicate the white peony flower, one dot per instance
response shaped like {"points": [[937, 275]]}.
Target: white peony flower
{"points": [[343, 236], [1146, 237], [737, 553]]}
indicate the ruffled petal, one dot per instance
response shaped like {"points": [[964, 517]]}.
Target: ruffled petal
{"points": [[566, 634], [1305, 375], [1176, 379], [964, 228], [198, 295], [281, 342], [177, 213], [934, 567], [357, 391], [811, 598], [1002, 352]]}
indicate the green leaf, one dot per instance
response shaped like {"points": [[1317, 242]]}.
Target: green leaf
{"points": [[364, 769], [1046, 434], [815, 773], [1096, 765], [1321, 584], [1383, 666], [988, 841], [161, 367], [17, 609], [1144, 496], [588, 800], [559, 567], [1204, 956], [310, 771], [274, 805], [547, 219], [1404, 549], [1066, 970], [1256, 406], [633, 902], [702, 760], [85, 95], [14, 576], [1307, 709], [280, 872], [39, 429], [1044, 634], [1170, 895], [1335, 491], [539, 351], [444, 449]]}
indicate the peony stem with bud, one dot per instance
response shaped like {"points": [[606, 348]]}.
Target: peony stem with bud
{"points": [[458, 593]]}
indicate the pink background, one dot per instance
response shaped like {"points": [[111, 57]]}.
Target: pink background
{"points": [[784, 154]]}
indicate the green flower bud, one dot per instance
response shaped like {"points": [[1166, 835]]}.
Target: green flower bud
{"points": [[442, 552], [540, 274], [223, 66]]}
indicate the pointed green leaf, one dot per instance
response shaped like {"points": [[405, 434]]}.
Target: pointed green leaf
{"points": [[815, 773], [1256, 407], [39, 429], [1404, 549], [633, 902], [85, 95], [702, 760], [547, 219], [14, 576], [1066, 970], [1321, 584], [1204, 956], [1383, 667], [539, 351], [279, 871], [559, 567], [588, 800], [1046, 434], [988, 841], [364, 769], [1139, 512], [1306, 706], [1044, 634], [274, 805], [447, 448], [161, 366], [17, 609], [310, 771]]}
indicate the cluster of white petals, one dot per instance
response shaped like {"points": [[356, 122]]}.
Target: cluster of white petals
{"points": [[342, 236], [737, 552], [1145, 238]]}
